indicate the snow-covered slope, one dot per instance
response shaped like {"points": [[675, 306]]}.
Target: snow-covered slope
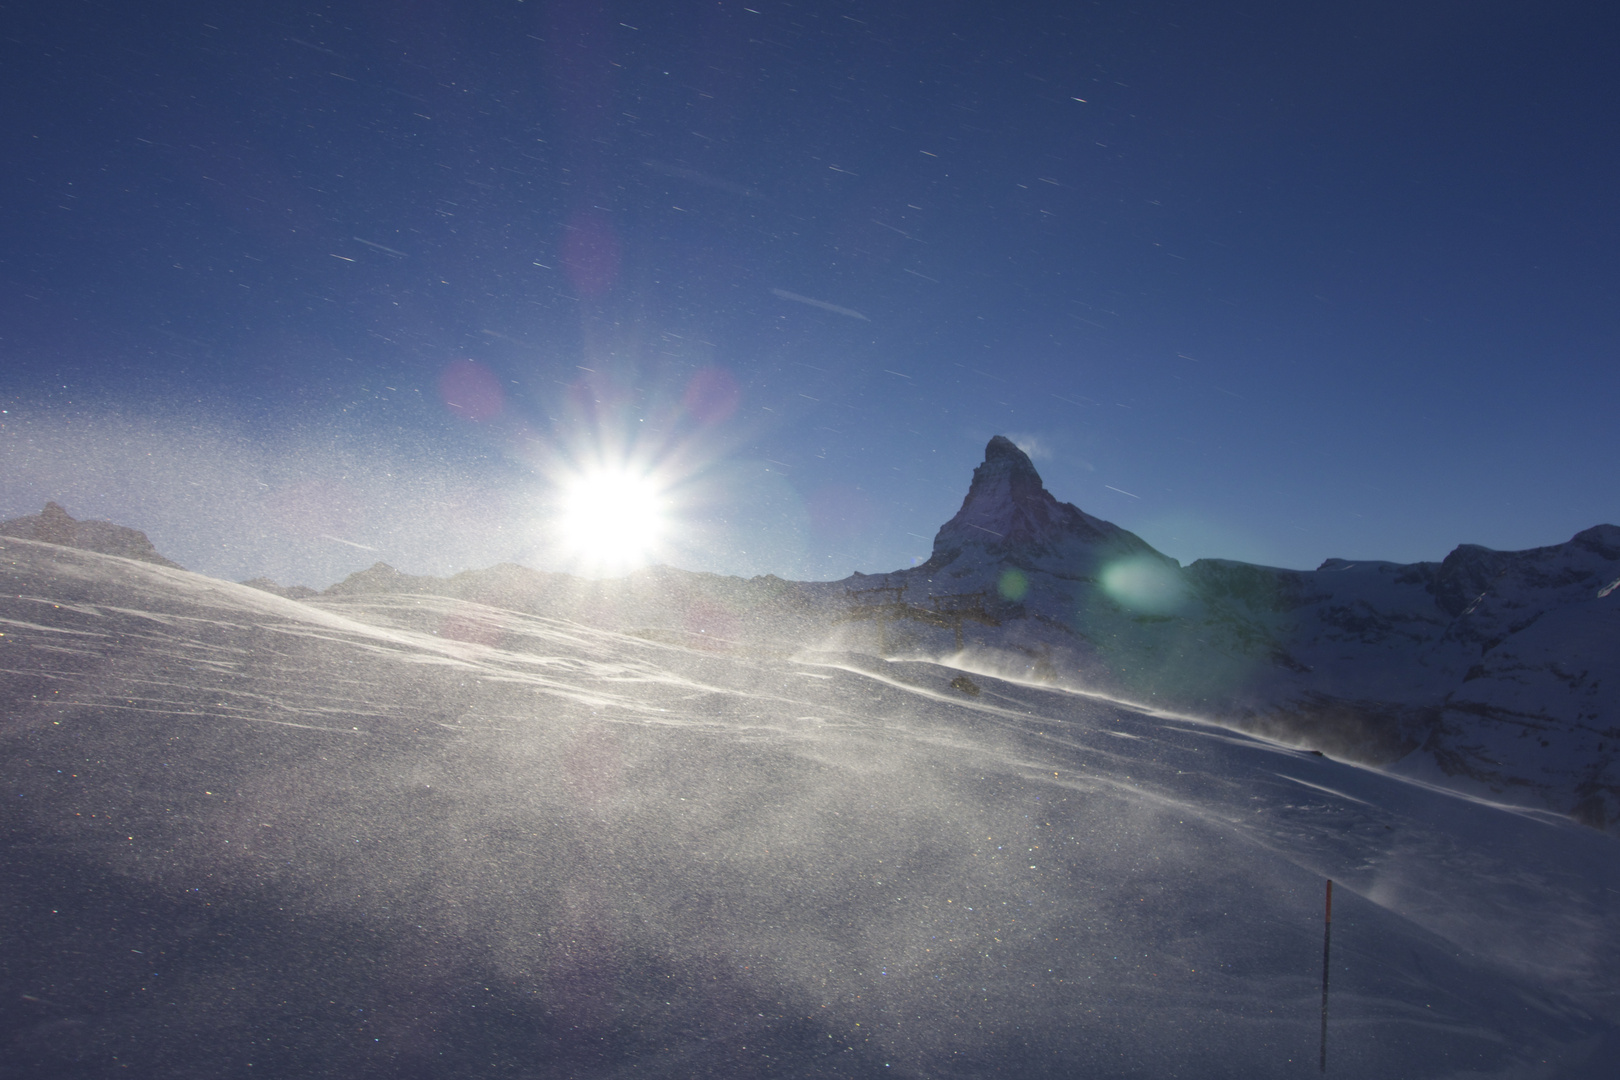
{"points": [[1498, 667], [387, 834], [1491, 671]]}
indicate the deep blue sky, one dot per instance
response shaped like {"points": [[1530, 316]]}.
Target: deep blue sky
{"points": [[297, 288]]}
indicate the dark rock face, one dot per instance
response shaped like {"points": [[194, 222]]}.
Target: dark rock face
{"points": [[1373, 732], [1601, 540], [1009, 513], [54, 525]]}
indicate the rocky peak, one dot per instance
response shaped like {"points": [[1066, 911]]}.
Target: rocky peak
{"points": [[54, 525], [1009, 514]]}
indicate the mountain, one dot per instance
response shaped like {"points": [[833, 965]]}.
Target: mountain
{"points": [[1493, 672], [54, 525], [384, 833], [1009, 517]]}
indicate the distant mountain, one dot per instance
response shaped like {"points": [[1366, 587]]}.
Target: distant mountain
{"points": [[707, 610], [1496, 672], [1009, 517], [54, 525]]}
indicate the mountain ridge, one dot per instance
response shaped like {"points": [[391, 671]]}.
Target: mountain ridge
{"points": [[1491, 672], [54, 525]]}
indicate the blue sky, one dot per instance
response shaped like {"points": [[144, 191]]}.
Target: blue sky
{"points": [[295, 291]]}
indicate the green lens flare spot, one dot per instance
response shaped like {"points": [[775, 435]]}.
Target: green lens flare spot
{"points": [[1013, 585], [1144, 584]]}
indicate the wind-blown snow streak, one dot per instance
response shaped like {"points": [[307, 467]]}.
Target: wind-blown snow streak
{"points": [[822, 304]]}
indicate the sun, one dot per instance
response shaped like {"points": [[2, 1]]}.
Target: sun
{"points": [[613, 518]]}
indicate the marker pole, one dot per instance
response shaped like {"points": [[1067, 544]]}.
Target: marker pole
{"points": [[1327, 948]]}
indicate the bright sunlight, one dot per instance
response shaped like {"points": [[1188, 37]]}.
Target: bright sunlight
{"points": [[612, 518]]}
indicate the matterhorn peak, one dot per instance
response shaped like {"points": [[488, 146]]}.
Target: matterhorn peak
{"points": [[1009, 514]]}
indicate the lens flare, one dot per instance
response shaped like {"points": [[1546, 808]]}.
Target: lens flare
{"points": [[1144, 584], [1013, 584], [613, 517]]}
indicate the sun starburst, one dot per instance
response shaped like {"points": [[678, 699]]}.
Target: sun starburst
{"points": [[613, 517]]}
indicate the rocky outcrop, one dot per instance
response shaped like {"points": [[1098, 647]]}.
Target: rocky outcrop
{"points": [[54, 525]]}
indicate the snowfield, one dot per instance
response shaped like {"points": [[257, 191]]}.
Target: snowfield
{"points": [[408, 835]]}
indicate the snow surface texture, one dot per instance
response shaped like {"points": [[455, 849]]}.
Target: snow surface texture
{"points": [[396, 834]]}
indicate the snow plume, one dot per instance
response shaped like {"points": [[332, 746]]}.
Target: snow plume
{"points": [[1036, 446]]}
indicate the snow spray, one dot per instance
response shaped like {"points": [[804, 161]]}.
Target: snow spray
{"points": [[1327, 948]]}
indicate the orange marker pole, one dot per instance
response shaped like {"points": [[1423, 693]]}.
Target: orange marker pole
{"points": [[1327, 948]]}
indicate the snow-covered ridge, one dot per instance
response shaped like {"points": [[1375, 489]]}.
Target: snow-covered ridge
{"points": [[1494, 672], [1497, 673]]}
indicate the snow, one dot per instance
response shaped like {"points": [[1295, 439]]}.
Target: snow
{"points": [[405, 834], [1491, 672]]}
